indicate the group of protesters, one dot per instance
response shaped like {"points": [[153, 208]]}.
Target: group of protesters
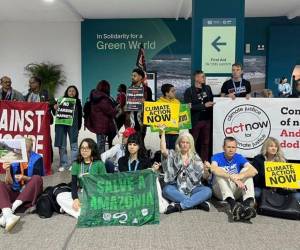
{"points": [[191, 174]]}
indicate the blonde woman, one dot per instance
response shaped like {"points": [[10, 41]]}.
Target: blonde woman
{"points": [[270, 151], [183, 170]]}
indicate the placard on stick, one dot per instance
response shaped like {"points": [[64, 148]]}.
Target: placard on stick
{"points": [[160, 113], [65, 111], [135, 98]]}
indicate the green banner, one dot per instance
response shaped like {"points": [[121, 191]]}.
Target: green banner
{"points": [[127, 199], [65, 111], [184, 120]]}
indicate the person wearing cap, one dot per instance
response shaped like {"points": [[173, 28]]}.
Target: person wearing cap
{"points": [[112, 156], [23, 184], [7, 92]]}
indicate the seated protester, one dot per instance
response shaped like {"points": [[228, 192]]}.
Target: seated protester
{"points": [[112, 156], [88, 162], [237, 86], [23, 184], [183, 170], [136, 159], [7, 92], [135, 155], [233, 178], [169, 96], [270, 151]]}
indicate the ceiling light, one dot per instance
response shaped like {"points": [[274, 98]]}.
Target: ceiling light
{"points": [[49, 1]]}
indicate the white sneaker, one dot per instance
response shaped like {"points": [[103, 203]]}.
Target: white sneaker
{"points": [[2, 221], [11, 222], [61, 169]]}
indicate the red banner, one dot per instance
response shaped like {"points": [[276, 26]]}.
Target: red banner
{"points": [[27, 119]]}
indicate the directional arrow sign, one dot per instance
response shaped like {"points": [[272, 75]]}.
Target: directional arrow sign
{"points": [[216, 43]]}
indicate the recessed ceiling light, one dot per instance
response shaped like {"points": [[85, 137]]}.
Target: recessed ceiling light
{"points": [[49, 1]]}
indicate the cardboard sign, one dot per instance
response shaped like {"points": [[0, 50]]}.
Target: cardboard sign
{"points": [[135, 97], [65, 111], [282, 175], [160, 113], [184, 121]]}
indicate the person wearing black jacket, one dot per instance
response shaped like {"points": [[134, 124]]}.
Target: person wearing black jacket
{"points": [[135, 155], [200, 99], [62, 131]]}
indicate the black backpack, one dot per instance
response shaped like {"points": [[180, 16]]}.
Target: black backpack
{"points": [[46, 204]]}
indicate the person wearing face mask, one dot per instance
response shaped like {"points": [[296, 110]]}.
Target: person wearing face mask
{"points": [[237, 86], [270, 151], [62, 131]]}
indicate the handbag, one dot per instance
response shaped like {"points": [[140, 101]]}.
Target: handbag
{"points": [[280, 203]]}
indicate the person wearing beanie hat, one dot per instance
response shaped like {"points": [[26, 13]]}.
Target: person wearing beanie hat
{"points": [[112, 156]]}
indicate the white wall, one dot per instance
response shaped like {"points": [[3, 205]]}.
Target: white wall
{"points": [[26, 42]]}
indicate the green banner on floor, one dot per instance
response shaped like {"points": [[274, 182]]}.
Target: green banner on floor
{"points": [[65, 111], [128, 199]]}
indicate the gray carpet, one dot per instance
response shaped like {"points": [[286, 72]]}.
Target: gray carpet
{"points": [[192, 229]]}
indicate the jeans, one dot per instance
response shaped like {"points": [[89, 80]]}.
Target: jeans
{"points": [[63, 154], [101, 140], [199, 195]]}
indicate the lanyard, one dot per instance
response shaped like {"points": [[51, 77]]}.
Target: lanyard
{"points": [[82, 168], [235, 88], [135, 167]]}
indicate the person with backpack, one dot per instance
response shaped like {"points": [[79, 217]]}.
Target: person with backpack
{"points": [[62, 131], [102, 113], [23, 184], [88, 162]]}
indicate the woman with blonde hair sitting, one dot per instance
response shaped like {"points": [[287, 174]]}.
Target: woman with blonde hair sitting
{"points": [[270, 151], [183, 170]]}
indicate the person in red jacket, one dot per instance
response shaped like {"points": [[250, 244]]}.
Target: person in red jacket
{"points": [[103, 111]]}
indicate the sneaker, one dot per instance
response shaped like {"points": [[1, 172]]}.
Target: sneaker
{"points": [[2, 221], [173, 207], [204, 206], [11, 222], [61, 169], [238, 211], [250, 213]]}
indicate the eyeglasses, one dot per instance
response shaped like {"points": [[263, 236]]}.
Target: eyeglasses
{"points": [[6, 81], [85, 149]]}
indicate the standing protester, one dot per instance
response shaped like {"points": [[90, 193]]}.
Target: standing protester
{"points": [[7, 92], [136, 117], [232, 179], [284, 88], [62, 131], [237, 86], [101, 119], [169, 96], [23, 184], [200, 99]]}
